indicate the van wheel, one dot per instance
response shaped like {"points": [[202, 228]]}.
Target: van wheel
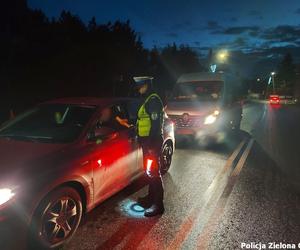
{"points": [[56, 219]]}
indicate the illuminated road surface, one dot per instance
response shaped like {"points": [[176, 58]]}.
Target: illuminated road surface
{"points": [[214, 198]]}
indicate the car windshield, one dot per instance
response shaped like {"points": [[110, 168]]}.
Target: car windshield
{"points": [[203, 91], [50, 123]]}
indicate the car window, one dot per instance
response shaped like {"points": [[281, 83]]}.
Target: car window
{"points": [[114, 117], [203, 91], [53, 123]]}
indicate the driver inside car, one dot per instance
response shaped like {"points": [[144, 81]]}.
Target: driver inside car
{"points": [[113, 117]]}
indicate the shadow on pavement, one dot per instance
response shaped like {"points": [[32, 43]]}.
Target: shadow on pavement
{"points": [[226, 146]]}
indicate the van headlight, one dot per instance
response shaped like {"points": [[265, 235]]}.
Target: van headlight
{"points": [[210, 119], [5, 195]]}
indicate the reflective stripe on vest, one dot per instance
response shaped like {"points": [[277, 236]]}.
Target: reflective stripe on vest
{"points": [[144, 121]]}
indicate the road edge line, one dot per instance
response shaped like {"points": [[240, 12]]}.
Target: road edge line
{"points": [[187, 225], [212, 223]]}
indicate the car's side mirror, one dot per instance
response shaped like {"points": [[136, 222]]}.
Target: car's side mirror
{"points": [[103, 133]]}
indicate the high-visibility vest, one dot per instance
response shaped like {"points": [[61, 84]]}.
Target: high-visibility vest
{"points": [[144, 120]]}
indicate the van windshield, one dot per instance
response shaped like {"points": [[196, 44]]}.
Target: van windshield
{"points": [[204, 91]]}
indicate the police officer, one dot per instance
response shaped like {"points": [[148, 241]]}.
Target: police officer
{"points": [[149, 131]]}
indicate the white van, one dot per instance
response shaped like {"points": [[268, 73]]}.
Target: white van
{"points": [[202, 105]]}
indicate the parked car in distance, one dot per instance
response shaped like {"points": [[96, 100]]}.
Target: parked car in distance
{"points": [[274, 99]]}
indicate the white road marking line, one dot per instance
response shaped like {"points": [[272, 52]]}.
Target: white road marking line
{"points": [[211, 225], [243, 159], [188, 223]]}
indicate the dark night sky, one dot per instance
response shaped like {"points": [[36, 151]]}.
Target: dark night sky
{"points": [[264, 27]]}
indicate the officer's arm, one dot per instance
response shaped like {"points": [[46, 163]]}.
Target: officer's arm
{"points": [[123, 122], [154, 109]]}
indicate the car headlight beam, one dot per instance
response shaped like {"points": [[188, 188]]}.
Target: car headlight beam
{"points": [[210, 119], [5, 195]]}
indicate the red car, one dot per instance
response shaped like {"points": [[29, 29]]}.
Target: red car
{"points": [[274, 99], [64, 157]]}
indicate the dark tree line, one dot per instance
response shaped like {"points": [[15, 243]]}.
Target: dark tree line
{"points": [[286, 78], [43, 59], [168, 64]]}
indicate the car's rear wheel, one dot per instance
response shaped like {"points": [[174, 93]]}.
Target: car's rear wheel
{"points": [[56, 219], [166, 157]]}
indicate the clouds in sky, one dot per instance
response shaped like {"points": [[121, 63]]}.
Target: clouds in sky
{"points": [[248, 26]]}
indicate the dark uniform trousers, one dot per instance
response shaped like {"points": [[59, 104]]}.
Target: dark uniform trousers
{"points": [[152, 148]]}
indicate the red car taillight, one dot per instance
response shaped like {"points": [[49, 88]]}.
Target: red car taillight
{"points": [[274, 99]]}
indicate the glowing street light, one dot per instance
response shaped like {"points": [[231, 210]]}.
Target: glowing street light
{"points": [[222, 55], [273, 80]]}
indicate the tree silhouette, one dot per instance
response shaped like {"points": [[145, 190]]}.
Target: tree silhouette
{"points": [[171, 62], [286, 73], [44, 59]]}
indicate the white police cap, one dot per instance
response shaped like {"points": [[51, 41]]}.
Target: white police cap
{"points": [[141, 80]]}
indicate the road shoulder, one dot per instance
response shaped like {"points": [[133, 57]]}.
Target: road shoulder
{"points": [[263, 207]]}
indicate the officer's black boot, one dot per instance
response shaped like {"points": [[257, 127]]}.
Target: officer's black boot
{"points": [[145, 201], [156, 190]]}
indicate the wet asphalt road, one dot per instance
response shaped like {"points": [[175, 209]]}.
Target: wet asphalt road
{"points": [[264, 206], [216, 198]]}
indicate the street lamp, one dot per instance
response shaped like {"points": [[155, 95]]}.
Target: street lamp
{"points": [[273, 80], [222, 55]]}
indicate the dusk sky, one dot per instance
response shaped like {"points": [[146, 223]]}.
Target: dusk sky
{"points": [[264, 27]]}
